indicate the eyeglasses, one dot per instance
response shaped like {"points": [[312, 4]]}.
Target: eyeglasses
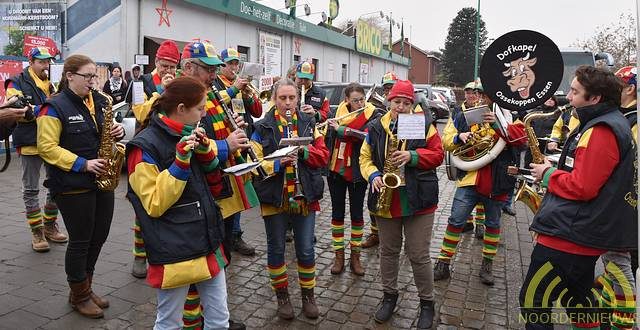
{"points": [[209, 69], [86, 76], [358, 100]]}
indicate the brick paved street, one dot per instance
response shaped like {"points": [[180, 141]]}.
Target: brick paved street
{"points": [[33, 288]]}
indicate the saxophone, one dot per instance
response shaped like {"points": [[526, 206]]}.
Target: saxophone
{"points": [[391, 177], [109, 150], [528, 194]]}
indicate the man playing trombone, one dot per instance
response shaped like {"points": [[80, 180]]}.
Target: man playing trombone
{"points": [[291, 194]]}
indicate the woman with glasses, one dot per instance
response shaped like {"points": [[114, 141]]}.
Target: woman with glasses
{"points": [[69, 129], [344, 141]]}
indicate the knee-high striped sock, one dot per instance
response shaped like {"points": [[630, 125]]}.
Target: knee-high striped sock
{"points": [[278, 276], [470, 219], [34, 218], [337, 234], [307, 275], [491, 239], [356, 234], [192, 313], [50, 213], [450, 242], [624, 312], [138, 242], [479, 218]]}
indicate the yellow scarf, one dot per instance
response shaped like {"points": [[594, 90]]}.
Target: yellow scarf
{"points": [[42, 84]]}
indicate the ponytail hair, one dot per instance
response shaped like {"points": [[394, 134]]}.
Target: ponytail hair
{"points": [[185, 90]]}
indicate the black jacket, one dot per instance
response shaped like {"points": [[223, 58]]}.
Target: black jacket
{"points": [[24, 134], [193, 226], [80, 135], [117, 95], [610, 220], [270, 191]]}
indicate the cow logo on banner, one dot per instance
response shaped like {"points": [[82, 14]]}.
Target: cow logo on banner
{"points": [[521, 70]]}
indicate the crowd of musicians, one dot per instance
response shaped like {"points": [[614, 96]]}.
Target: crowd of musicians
{"points": [[198, 120]]}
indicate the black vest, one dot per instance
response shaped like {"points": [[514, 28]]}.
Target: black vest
{"points": [[270, 191], [25, 132], [421, 185], [79, 135], [193, 226], [610, 220], [502, 183]]}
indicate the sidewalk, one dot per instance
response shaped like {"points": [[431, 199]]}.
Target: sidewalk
{"points": [[34, 292]]}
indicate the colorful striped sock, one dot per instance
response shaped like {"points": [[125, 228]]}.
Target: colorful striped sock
{"points": [[491, 239], [192, 313], [337, 234], [50, 213], [356, 234], [480, 215], [450, 242], [34, 218], [307, 275], [624, 312], [138, 242], [470, 218], [278, 276]]}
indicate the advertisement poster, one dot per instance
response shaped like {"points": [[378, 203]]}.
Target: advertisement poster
{"points": [[8, 69], [36, 19], [271, 53]]}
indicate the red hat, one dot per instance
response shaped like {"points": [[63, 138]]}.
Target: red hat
{"points": [[168, 51], [402, 88]]}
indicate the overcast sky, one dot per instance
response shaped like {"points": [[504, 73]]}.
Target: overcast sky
{"points": [[564, 21]]}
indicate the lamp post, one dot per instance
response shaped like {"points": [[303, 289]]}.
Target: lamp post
{"points": [[475, 66]]}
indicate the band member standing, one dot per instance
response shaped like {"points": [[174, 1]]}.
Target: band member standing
{"points": [[344, 142], [167, 58], [591, 183], [489, 185], [411, 207], [233, 87], [69, 131], [388, 80], [564, 125], [316, 103], [167, 164], [33, 83], [294, 176]]}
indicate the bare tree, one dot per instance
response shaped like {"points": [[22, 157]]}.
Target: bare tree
{"points": [[617, 39]]}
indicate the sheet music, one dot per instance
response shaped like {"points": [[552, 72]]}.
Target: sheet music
{"points": [[138, 92], [411, 126], [474, 115], [281, 152], [242, 169]]}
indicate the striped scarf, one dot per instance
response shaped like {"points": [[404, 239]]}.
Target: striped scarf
{"points": [[290, 175], [157, 82]]}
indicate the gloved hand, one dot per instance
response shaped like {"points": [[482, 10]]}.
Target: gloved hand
{"points": [[204, 143], [184, 149]]}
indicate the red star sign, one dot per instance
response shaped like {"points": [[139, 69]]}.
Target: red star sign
{"points": [[164, 13]]}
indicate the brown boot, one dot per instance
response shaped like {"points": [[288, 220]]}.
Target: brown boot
{"points": [[355, 265], [38, 241], [52, 233], [338, 263], [309, 308], [285, 309], [101, 302], [81, 300], [371, 241]]}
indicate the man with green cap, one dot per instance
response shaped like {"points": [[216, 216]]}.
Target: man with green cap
{"points": [[33, 84]]}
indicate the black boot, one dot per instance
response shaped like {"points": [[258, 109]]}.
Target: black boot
{"points": [[234, 325], [441, 271], [387, 305], [427, 312], [467, 227], [486, 271], [240, 246]]}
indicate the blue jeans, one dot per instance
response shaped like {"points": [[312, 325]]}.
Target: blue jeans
{"points": [[466, 199], [303, 228], [236, 224], [213, 297]]}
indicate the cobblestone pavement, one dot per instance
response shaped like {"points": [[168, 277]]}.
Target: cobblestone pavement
{"points": [[33, 287]]}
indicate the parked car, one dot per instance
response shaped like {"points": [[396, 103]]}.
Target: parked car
{"points": [[448, 93], [439, 109]]}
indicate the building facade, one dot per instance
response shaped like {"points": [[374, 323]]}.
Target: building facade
{"points": [[424, 67], [116, 30]]}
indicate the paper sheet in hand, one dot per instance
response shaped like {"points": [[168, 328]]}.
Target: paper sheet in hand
{"points": [[55, 72], [241, 169], [411, 126], [474, 115], [281, 152], [250, 69], [138, 92]]}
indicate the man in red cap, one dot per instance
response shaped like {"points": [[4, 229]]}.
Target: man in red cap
{"points": [[167, 58], [410, 207], [33, 84]]}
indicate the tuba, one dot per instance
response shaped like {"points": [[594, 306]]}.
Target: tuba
{"points": [[109, 150]]}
